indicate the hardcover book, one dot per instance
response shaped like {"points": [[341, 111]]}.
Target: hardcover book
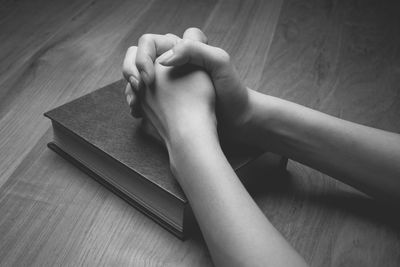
{"points": [[97, 134]]}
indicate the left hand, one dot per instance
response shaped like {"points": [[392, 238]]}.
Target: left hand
{"points": [[181, 101]]}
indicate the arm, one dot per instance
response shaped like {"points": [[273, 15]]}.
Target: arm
{"points": [[181, 110], [236, 231], [364, 157]]}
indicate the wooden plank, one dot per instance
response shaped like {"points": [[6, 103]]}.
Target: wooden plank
{"points": [[57, 70], [59, 219], [338, 57], [341, 58], [52, 213], [245, 30]]}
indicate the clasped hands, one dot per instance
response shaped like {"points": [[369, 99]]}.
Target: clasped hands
{"points": [[182, 85]]}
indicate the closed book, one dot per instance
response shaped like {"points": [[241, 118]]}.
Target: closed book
{"points": [[98, 135]]}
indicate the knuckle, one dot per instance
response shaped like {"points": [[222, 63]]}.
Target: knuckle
{"points": [[187, 44], [222, 56], [145, 37], [140, 62], [131, 49], [127, 89], [125, 72], [173, 37], [184, 47], [199, 34], [193, 30]]}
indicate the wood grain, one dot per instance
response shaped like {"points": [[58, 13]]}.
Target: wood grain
{"points": [[340, 57]]}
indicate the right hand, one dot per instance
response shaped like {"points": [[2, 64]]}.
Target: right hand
{"points": [[232, 104]]}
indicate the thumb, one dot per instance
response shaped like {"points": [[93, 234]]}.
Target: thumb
{"points": [[211, 58], [190, 34]]}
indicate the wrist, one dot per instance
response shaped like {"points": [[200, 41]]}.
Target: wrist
{"points": [[190, 142], [190, 136], [234, 120], [261, 120], [189, 128]]}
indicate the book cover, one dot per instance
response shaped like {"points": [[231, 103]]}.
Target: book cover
{"points": [[97, 134]]}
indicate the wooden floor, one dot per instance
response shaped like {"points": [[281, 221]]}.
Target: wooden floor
{"points": [[340, 57]]}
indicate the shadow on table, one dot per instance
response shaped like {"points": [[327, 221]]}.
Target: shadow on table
{"points": [[266, 179]]}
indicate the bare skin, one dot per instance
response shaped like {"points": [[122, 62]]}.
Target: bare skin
{"points": [[183, 111]]}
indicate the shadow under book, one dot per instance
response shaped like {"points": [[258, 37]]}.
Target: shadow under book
{"points": [[97, 134]]}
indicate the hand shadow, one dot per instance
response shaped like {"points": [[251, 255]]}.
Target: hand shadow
{"points": [[271, 183]]}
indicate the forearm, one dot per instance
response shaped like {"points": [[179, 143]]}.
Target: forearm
{"points": [[236, 231], [361, 156]]}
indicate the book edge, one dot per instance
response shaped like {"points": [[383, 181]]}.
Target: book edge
{"points": [[174, 230]]}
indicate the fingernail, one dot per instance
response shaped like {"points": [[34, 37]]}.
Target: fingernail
{"points": [[129, 99], [145, 77], [166, 57], [134, 82]]}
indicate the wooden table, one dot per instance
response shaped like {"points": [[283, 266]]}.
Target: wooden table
{"points": [[340, 57]]}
